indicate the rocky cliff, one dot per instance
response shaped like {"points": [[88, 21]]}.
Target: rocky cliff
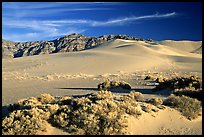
{"points": [[68, 43]]}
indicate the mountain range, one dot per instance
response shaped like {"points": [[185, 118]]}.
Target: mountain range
{"points": [[69, 43]]}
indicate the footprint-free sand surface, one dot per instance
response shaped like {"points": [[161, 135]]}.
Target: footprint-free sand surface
{"points": [[78, 73]]}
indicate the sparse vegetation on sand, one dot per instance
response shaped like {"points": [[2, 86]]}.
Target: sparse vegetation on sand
{"points": [[178, 83], [189, 107], [197, 94], [188, 86], [93, 114], [107, 84]]}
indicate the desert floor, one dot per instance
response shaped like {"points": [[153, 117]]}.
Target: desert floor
{"points": [[79, 73]]}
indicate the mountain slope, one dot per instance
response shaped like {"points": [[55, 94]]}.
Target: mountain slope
{"points": [[68, 43], [77, 42]]}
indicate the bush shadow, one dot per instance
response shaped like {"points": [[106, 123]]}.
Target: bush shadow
{"points": [[4, 111], [164, 93]]}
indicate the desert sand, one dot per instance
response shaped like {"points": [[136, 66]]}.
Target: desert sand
{"points": [[77, 73]]}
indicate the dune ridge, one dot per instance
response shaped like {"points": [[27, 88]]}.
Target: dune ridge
{"points": [[78, 73]]}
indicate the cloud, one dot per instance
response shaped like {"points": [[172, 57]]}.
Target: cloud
{"points": [[54, 28], [42, 9], [46, 24], [43, 35], [121, 21]]}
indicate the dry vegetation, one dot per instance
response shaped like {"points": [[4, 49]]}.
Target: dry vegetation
{"points": [[188, 86], [179, 83], [107, 84], [101, 113], [189, 107], [93, 114]]}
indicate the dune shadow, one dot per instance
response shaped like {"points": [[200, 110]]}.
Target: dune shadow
{"points": [[164, 93], [79, 88]]}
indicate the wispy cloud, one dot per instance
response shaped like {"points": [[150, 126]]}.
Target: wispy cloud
{"points": [[52, 28], [43, 24], [43, 35], [49, 9], [121, 21]]}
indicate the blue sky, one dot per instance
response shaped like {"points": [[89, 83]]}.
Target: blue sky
{"points": [[31, 21]]}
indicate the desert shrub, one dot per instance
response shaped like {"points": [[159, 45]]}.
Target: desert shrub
{"points": [[155, 101], [66, 100], [106, 85], [146, 108], [189, 107], [24, 122], [25, 104], [198, 94], [137, 95], [149, 77], [99, 113], [46, 98], [179, 83], [160, 80], [96, 114]]}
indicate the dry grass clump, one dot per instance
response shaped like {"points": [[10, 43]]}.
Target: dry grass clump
{"points": [[113, 84], [189, 107], [24, 122], [179, 83]]}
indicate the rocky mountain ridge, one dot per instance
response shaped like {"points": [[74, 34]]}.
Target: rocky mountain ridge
{"points": [[68, 43]]}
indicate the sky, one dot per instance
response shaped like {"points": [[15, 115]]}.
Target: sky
{"points": [[33, 21]]}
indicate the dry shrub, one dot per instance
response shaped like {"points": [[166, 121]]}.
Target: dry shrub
{"points": [[189, 107], [146, 108], [179, 83], [96, 114], [46, 98], [99, 113], [137, 95], [106, 85], [155, 101], [25, 104], [66, 100], [24, 122], [198, 94], [149, 77]]}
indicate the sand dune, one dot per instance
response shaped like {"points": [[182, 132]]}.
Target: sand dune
{"points": [[184, 45], [75, 73], [165, 122], [133, 55]]}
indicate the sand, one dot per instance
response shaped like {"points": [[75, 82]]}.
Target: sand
{"points": [[79, 73]]}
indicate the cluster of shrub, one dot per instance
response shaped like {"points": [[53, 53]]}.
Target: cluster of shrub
{"points": [[179, 83], [189, 86], [186, 94], [101, 113], [93, 114], [107, 85]]}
